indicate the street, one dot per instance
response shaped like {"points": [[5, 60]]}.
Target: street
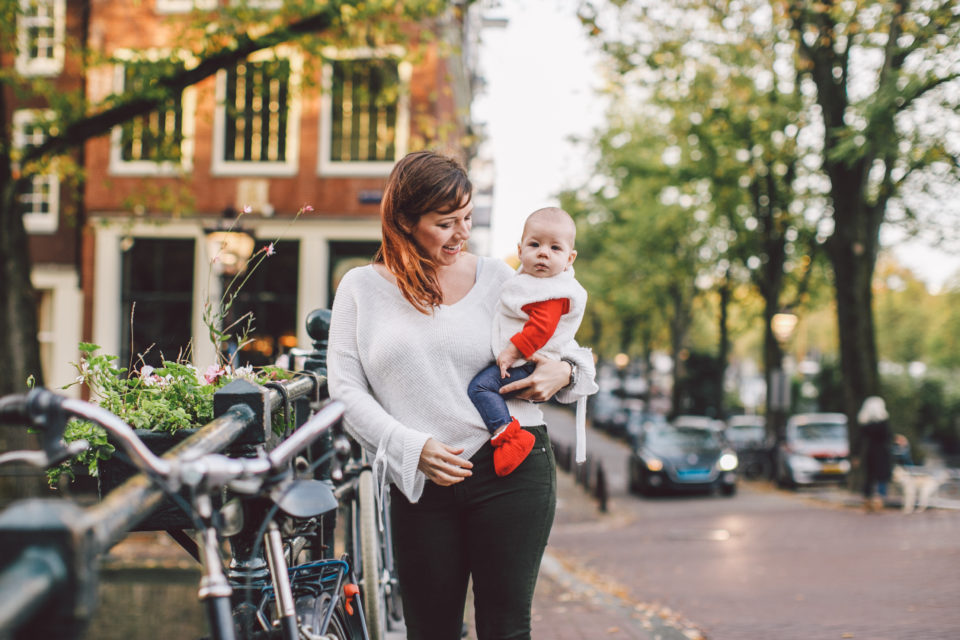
{"points": [[765, 563]]}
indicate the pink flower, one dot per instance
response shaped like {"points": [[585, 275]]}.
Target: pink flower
{"points": [[306, 208], [213, 373], [247, 209], [269, 250]]}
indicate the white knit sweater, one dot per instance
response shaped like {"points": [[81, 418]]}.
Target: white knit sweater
{"points": [[403, 374]]}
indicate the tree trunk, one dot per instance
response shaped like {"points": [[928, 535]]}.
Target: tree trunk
{"points": [[679, 324], [852, 250], [18, 320], [724, 347]]}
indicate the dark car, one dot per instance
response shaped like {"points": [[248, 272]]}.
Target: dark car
{"points": [[748, 435], [815, 450], [670, 458], [608, 413]]}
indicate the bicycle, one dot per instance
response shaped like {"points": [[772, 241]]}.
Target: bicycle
{"points": [[369, 542], [306, 596]]}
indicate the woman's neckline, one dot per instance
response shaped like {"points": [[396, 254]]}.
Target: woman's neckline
{"points": [[383, 275]]}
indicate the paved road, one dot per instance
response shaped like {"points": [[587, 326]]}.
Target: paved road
{"points": [[763, 564]]}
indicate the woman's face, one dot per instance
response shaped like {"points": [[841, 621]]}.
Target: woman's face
{"points": [[442, 236]]}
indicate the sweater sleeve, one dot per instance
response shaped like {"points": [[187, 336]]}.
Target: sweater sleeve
{"points": [[586, 374], [539, 327], [365, 418]]}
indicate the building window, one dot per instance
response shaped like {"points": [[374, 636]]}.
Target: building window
{"points": [[39, 196], [365, 115], [269, 295], [257, 117], [156, 300], [40, 34], [159, 142]]}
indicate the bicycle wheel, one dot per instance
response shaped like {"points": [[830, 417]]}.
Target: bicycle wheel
{"points": [[389, 571], [311, 612], [369, 561]]}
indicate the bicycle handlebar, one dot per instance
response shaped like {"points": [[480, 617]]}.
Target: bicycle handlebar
{"points": [[48, 411], [219, 470]]}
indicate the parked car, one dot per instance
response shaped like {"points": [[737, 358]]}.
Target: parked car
{"points": [[677, 458], [607, 413], [640, 420], [698, 422], [748, 436], [815, 449]]}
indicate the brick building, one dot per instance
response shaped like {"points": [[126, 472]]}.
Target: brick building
{"points": [[124, 261]]}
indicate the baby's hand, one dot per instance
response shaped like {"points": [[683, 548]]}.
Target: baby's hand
{"points": [[507, 357]]}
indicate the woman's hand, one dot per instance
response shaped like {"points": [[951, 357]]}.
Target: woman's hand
{"points": [[549, 377], [441, 463]]}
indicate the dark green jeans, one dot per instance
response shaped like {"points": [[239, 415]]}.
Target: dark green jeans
{"points": [[491, 528]]}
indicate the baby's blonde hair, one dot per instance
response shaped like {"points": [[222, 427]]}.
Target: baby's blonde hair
{"points": [[555, 213]]}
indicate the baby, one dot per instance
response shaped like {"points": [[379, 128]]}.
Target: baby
{"points": [[539, 311]]}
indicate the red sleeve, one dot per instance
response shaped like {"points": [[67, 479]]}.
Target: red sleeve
{"points": [[544, 317]]}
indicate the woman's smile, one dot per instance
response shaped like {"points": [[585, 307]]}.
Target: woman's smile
{"points": [[441, 236]]}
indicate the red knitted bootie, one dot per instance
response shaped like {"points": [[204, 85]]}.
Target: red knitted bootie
{"points": [[510, 447]]}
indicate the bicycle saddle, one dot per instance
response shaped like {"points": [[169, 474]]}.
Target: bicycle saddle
{"points": [[304, 498]]}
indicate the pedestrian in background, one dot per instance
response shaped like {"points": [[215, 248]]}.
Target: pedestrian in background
{"points": [[875, 451], [407, 334]]}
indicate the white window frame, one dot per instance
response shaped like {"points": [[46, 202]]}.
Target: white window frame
{"points": [[47, 66], [38, 222], [327, 167], [183, 6], [288, 167], [188, 106]]}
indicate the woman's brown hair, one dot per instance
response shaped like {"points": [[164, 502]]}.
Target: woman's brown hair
{"points": [[422, 182]]}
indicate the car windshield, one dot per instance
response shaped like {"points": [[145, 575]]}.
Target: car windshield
{"points": [[666, 439], [745, 433], [822, 431]]}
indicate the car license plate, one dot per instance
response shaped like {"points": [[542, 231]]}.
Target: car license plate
{"points": [[831, 468]]}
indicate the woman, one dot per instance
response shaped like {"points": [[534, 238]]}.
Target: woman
{"points": [[875, 439], [407, 334]]}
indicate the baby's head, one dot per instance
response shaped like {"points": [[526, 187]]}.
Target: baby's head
{"points": [[546, 247]]}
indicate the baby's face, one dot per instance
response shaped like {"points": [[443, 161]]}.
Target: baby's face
{"points": [[547, 247]]}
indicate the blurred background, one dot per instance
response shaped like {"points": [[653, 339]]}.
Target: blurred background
{"points": [[766, 202]]}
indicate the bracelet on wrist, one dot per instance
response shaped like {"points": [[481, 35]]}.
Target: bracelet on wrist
{"points": [[573, 372]]}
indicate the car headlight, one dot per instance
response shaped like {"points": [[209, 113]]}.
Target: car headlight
{"points": [[653, 464], [727, 462]]}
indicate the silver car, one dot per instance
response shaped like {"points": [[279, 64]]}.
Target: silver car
{"points": [[815, 449]]}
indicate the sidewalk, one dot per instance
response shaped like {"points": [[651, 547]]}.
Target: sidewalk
{"points": [[570, 604]]}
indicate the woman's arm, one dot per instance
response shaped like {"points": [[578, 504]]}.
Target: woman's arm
{"points": [[552, 377], [546, 380]]}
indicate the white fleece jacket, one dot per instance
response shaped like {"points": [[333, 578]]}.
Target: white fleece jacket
{"points": [[522, 289], [403, 374]]}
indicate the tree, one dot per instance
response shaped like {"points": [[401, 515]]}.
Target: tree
{"points": [[239, 33], [869, 78], [733, 118], [638, 243], [878, 71]]}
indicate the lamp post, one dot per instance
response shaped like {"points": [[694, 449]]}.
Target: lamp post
{"points": [[782, 326]]}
